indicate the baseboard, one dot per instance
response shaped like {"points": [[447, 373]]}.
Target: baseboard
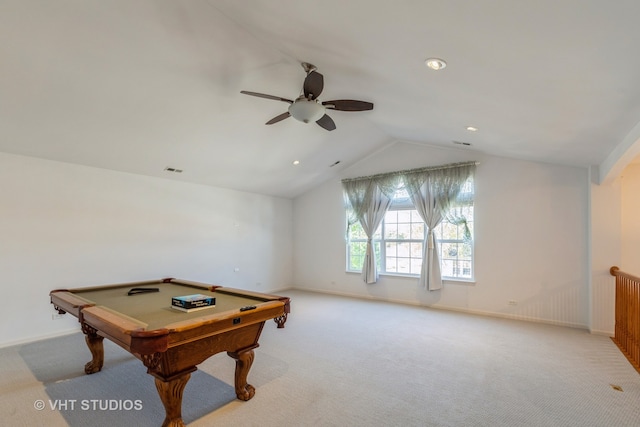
{"points": [[456, 309], [275, 291], [517, 317], [40, 338], [605, 333]]}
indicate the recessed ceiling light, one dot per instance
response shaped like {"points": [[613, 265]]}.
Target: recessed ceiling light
{"points": [[435, 63], [472, 128], [296, 162]]}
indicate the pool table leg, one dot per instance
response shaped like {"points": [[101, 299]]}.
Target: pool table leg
{"points": [[171, 395], [244, 360], [94, 342]]}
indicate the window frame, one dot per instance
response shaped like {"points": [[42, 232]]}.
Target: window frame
{"points": [[403, 203]]}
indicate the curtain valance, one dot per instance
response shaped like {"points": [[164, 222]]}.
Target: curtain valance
{"points": [[398, 174]]}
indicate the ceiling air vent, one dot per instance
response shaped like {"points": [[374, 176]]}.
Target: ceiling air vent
{"points": [[174, 170]]}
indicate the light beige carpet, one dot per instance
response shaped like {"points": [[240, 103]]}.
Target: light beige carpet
{"points": [[348, 362]]}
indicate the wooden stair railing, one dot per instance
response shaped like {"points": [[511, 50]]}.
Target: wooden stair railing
{"points": [[627, 329]]}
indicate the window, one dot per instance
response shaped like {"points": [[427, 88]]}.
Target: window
{"points": [[398, 242]]}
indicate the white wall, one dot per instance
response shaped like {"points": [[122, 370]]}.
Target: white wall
{"points": [[63, 226], [631, 219], [615, 240], [531, 242], [605, 245]]}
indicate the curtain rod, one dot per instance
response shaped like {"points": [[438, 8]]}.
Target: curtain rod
{"points": [[423, 169]]}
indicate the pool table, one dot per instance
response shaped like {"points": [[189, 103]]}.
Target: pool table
{"points": [[169, 342]]}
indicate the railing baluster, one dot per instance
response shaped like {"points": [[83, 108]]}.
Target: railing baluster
{"points": [[627, 328]]}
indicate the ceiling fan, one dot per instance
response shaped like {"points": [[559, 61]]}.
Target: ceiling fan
{"points": [[307, 108]]}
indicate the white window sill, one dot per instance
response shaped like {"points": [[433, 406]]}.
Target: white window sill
{"points": [[446, 280]]}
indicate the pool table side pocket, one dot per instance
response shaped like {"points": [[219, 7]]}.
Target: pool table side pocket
{"points": [[225, 321]]}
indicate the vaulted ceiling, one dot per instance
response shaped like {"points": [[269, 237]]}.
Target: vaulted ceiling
{"points": [[139, 86]]}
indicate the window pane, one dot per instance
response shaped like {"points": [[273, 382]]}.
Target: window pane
{"points": [[391, 265], [376, 251], [416, 265], [446, 268], [356, 231], [404, 231], [404, 250], [465, 251], [357, 251], [398, 243], [448, 231], [391, 216], [449, 250], [392, 249], [404, 265], [416, 250], [391, 262], [417, 230], [404, 216], [390, 231], [466, 269], [456, 259]]}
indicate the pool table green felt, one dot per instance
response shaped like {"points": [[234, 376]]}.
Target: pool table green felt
{"points": [[154, 308]]}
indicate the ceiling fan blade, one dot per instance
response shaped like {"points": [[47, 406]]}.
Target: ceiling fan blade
{"points": [[276, 119], [262, 95], [348, 105], [313, 85], [326, 122]]}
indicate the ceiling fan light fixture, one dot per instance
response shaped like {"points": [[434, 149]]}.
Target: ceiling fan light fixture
{"points": [[306, 110], [435, 63]]}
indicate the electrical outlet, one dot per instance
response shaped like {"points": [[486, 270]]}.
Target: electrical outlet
{"points": [[513, 302], [56, 316]]}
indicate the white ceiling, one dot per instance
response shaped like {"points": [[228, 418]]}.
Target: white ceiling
{"points": [[137, 86]]}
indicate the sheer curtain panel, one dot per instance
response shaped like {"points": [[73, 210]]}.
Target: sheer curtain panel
{"points": [[368, 201], [433, 192]]}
